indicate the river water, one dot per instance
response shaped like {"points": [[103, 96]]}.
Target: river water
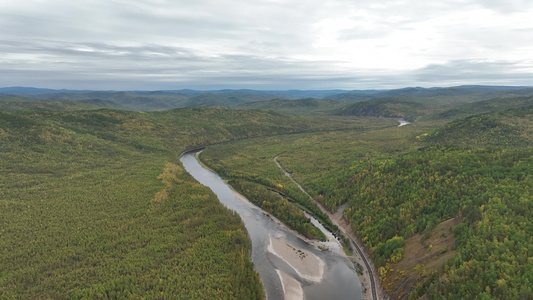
{"points": [[402, 121], [340, 280]]}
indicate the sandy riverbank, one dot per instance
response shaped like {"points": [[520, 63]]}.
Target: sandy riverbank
{"points": [[292, 289], [306, 264], [346, 229]]}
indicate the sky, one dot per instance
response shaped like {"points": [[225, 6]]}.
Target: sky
{"points": [[264, 44]]}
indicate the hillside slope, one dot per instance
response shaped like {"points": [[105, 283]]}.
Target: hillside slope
{"points": [[307, 106], [393, 107], [496, 104], [510, 128], [486, 182]]}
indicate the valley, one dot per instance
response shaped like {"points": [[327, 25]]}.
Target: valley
{"points": [[96, 203]]}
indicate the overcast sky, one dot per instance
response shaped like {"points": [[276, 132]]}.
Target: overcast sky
{"points": [[264, 44]]}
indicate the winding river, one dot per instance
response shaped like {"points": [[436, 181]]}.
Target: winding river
{"points": [[339, 279]]}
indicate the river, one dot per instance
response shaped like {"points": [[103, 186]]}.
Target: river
{"points": [[339, 279], [402, 121]]}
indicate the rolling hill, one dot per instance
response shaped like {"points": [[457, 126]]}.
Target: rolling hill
{"points": [[470, 183], [391, 107], [496, 104], [296, 107], [440, 99]]}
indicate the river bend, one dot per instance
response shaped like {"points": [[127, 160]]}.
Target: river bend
{"points": [[339, 279]]}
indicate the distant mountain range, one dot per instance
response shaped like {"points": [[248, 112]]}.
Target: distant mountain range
{"points": [[19, 90], [16, 90], [168, 99]]}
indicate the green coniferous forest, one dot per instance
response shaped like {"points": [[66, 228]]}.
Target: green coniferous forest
{"points": [[95, 204], [480, 169]]}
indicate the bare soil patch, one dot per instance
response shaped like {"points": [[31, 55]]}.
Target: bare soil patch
{"points": [[420, 259]]}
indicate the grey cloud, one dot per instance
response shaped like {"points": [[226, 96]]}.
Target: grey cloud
{"points": [[474, 71], [255, 72], [506, 6], [212, 43], [62, 50]]}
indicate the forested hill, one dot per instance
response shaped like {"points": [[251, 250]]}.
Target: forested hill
{"points": [[491, 105], [478, 170], [305, 106], [434, 108], [508, 128], [391, 107], [60, 105], [95, 204]]}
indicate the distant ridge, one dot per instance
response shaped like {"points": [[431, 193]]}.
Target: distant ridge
{"points": [[168, 99], [19, 90]]}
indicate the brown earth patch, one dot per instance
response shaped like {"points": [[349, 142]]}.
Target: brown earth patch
{"points": [[420, 259]]}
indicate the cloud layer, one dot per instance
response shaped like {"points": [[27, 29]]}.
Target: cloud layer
{"points": [[264, 44]]}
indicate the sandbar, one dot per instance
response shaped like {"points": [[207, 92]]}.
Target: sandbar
{"points": [[292, 289], [306, 264]]}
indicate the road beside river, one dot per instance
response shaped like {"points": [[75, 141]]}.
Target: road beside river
{"points": [[371, 285], [290, 266]]}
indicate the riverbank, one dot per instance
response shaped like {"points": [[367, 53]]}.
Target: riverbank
{"points": [[371, 286], [283, 267], [365, 277], [368, 278], [306, 264], [292, 289]]}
